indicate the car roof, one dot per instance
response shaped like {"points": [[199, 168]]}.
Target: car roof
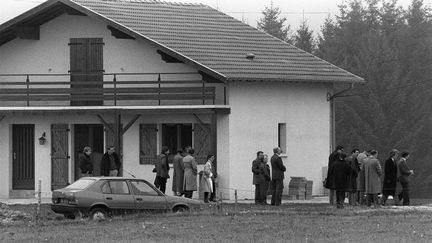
{"points": [[111, 178]]}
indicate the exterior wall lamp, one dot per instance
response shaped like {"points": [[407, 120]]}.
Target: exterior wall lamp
{"points": [[42, 139]]}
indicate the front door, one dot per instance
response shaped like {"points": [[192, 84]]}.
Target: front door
{"points": [[91, 135], [23, 142], [86, 70]]}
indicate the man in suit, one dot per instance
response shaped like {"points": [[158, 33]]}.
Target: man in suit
{"points": [[162, 168], [404, 172], [390, 177], [352, 181], [373, 172], [330, 184], [278, 170], [341, 172], [258, 177]]}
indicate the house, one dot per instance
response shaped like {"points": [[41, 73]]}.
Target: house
{"points": [[142, 74]]}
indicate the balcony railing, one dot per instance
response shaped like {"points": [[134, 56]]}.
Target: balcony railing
{"points": [[78, 89]]}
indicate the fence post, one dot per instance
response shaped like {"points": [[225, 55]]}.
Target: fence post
{"points": [[39, 195], [236, 201]]}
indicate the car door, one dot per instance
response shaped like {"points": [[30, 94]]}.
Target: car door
{"points": [[146, 197], [118, 196]]}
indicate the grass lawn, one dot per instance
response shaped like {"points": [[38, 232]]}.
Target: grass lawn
{"points": [[288, 223]]}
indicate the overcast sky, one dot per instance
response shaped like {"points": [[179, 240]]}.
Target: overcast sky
{"points": [[314, 11]]}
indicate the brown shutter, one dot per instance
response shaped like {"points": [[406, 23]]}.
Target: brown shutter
{"points": [[59, 155], [202, 142], [148, 143]]}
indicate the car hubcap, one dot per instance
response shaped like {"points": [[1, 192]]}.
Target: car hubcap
{"points": [[98, 216]]}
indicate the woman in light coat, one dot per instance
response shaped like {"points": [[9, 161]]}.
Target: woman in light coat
{"points": [[190, 173], [206, 183]]}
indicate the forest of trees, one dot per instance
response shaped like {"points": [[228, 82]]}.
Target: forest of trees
{"points": [[391, 48]]}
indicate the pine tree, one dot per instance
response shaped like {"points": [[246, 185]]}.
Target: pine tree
{"points": [[303, 38], [273, 24]]}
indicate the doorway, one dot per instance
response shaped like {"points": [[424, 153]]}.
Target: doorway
{"points": [[176, 136], [91, 135], [23, 165]]}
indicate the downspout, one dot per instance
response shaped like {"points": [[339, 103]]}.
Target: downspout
{"points": [[331, 99]]}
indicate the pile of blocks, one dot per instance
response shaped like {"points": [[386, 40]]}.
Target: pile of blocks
{"points": [[300, 188]]}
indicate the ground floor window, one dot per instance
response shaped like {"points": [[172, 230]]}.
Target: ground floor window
{"points": [[282, 137]]}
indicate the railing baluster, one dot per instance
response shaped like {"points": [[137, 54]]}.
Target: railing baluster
{"points": [[203, 91], [115, 89], [159, 89], [28, 90]]}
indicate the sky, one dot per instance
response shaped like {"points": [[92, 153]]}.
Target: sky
{"points": [[314, 11]]}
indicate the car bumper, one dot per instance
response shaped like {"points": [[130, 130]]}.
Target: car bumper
{"points": [[67, 209]]}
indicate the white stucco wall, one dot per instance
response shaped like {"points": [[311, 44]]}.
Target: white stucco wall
{"points": [[256, 110]]}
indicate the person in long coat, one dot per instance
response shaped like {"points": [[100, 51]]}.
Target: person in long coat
{"points": [[265, 170], [341, 172], [206, 183], [258, 177], [352, 181], [390, 177], [190, 173], [278, 170], [178, 174], [162, 168], [330, 183], [403, 175], [373, 172], [361, 177]]}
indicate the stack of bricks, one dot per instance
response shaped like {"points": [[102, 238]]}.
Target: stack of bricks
{"points": [[297, 188], [309, 185]]}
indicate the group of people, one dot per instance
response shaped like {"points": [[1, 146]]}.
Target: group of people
{"points": [[266, 183], [361, 175], [109, 166], [185, 174]]}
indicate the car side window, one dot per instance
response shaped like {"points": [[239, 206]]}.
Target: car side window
{"points": [[106, 189], [119, 187], [142, 188]]}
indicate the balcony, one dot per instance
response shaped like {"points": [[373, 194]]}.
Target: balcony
{"points": [[109, 89]]}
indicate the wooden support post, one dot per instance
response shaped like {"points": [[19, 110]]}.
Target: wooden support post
{"points": [[106, 124], [131, 122], [118, 129], [213, 137]]}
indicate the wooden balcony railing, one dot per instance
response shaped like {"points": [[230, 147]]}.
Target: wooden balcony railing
{"points": [[108, 89]]}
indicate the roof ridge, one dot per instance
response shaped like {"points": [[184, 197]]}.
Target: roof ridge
{"points": [[155, 2]]}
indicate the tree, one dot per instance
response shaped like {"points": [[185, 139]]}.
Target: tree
{"points": [[303, 38], [392, 49], [273, 24]]}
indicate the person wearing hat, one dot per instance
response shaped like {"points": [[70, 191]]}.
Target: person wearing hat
{"points": [[330, 183]]}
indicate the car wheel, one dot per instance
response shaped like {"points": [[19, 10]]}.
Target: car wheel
{"points": [[180, 209], [98, 213]]}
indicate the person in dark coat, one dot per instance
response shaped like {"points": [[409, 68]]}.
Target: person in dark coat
{"points": [[390, 177], [85, 162], [341, 172], [403, 173], [110, 163], [162, 168], [178, 174], [278, 170], [352, 181], [330, 183], [258, 178]]}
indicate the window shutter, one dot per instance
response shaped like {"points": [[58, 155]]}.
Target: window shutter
{"points": [[202, 142], [59, 155], [148, 143]]}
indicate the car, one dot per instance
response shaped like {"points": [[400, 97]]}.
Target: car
{"points": [[102, 197]]}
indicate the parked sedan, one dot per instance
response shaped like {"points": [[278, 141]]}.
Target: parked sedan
{"points": [[101, 197]]}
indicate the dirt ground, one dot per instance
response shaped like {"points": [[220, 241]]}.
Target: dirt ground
{"points": [[288, 223]]}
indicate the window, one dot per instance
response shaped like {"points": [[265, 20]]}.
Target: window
{"points": [[81, 184], [142, 188], [118, 187], [282, 137], [106, 189]]}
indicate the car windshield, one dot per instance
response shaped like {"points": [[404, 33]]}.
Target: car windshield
{"points": [[81, 184]]}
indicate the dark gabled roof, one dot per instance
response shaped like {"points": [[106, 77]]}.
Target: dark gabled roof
{"points": [[210, 40]]}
